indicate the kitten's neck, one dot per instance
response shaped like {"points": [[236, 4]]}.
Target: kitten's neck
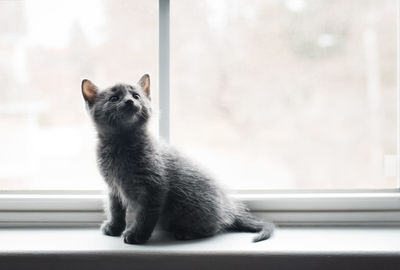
{"points": [[127, 135]]}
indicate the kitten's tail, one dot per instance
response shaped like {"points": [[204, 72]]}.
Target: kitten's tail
{"points": [[244, 222]]}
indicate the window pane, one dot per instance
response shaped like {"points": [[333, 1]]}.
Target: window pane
{"points": [[46, 49], [291, 94]]}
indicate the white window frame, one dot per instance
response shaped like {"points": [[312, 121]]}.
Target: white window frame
{"points": [[313, 207]]}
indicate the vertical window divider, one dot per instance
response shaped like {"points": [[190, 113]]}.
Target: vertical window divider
{"points": [[398, 95], [163, 69]]}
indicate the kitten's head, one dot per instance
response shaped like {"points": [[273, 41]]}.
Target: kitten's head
{"points": [[120, 107]]}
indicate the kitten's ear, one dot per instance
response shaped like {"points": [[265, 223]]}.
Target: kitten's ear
{"points": [[89, 91], [144, 82]]}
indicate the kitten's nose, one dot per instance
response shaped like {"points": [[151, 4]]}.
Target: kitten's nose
{"points": [[129, 102]]}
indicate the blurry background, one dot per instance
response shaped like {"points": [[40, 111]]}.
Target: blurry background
{"points": [[46, 48], [288, 94]]}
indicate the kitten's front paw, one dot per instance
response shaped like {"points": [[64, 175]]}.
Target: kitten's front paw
{"points": [[131, 237], [112, 229]]}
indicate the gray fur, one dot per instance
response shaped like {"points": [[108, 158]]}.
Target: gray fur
{"points": [[150, 182]]}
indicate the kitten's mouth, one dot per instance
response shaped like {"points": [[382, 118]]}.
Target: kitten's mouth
{"points": [[130, 109], [130, 112]]}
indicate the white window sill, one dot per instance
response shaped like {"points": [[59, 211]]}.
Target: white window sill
{"points": [[290, 248]]}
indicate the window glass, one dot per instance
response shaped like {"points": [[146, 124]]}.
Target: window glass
{"points": [[294, 94], [46, 49]]}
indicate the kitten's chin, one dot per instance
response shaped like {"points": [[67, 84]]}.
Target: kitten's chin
{"points": [[130, 110], [130, 120], [129, 115]]}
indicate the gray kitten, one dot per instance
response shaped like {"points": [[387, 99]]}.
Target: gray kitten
{"points": [[150, 182]]}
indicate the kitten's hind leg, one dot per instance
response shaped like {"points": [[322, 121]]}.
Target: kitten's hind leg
{"points": [[116, 216]]}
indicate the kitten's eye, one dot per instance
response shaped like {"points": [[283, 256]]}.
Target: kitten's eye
{"points": [[114, 98], [136, 96]]}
